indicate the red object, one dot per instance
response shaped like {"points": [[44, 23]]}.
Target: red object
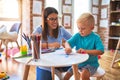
{"points": [[83, 52], [112, 50], [99, 56], [12, 51], [0, 60]]}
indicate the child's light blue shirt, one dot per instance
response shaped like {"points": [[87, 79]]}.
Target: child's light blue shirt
{"points": [[90, 42]]}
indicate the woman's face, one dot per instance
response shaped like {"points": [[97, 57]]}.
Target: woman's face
{"points": [[52, 21]]}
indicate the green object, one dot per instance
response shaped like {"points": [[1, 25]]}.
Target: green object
{"points": [[6, 78], [23, 50], [23, 53]]}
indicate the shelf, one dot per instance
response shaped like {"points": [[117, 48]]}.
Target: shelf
{"points": [[112, 43], [117, 25], [114, 38], [114, 26], [118, 11], [115, 0]]}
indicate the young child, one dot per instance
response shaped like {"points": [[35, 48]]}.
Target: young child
{"points": [[85, 41]]}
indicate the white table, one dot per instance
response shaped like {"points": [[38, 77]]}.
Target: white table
{"points": [[55, 59]]}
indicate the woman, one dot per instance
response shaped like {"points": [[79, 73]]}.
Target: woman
{"points": [[52, 36], [1, 46]]}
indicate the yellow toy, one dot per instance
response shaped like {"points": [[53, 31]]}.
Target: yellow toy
{"points": [[3, 76], [23, 50]]}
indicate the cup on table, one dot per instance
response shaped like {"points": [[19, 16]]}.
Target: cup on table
{"points": [[36, 46]]}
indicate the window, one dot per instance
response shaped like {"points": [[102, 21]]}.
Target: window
{"points": [[9, 12], [9, 9]]}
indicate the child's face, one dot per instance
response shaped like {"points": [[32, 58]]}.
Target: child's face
{"points": [[84, 30]]}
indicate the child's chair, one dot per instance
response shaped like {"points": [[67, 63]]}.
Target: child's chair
{"points": [[15, 28], [98, 75], [10, 36]]}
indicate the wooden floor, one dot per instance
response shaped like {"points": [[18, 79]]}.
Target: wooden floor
{"points": [[15, 70], [105, 62]]}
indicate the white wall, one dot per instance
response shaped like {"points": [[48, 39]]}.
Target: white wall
{"points": [[52, 3], [80, 6]]}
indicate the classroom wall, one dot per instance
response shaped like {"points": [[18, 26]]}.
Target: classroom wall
{"points": [[26, 21]]}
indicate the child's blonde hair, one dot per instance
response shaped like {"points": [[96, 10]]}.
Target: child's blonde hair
{"points": [[86, 19]]}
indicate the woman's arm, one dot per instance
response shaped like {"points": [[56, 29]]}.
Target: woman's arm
{"points": [[65, 33], [50, 45], [44, 45], [54, 45], [63, 42]]}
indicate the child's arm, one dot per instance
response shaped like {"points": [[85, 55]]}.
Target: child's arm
{"points": [[93, 52], [68, 49]]}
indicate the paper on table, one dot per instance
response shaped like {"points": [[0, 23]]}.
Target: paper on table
{"points": [[47, 50]]}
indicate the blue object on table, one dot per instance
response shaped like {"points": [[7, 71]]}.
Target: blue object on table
{"points": [[47, 50], [67, 55]]}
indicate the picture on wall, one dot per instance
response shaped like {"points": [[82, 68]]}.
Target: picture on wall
{"points": [[67, 9], [68, 1], [67, 21], [37, 7]]}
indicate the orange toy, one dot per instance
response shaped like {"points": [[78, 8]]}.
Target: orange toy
{"points": [[3, 76]]}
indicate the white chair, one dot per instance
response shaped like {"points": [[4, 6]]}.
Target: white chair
{"points": [[10, 36], [98, 75], [15, 28], [59, 74]]}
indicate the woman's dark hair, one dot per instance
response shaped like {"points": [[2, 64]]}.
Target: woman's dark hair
{"points": [[47, 11]]}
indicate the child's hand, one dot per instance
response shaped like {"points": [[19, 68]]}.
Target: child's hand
{"points": [[81, 51], [68, 50]]}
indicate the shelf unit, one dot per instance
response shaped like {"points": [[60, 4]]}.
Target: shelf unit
{"points": [[114, 21]]}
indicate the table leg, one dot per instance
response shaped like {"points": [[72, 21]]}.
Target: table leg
{"points": [[26, 72], [53, 71], [75, 72]]}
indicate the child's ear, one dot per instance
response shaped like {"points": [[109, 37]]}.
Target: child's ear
{"points": [[92, 27]]}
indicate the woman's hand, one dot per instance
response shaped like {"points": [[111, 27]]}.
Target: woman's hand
{"points": [[54, 45], [50, 45]]}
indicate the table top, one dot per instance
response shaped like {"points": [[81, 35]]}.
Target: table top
{"points": [[55, 59]]}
